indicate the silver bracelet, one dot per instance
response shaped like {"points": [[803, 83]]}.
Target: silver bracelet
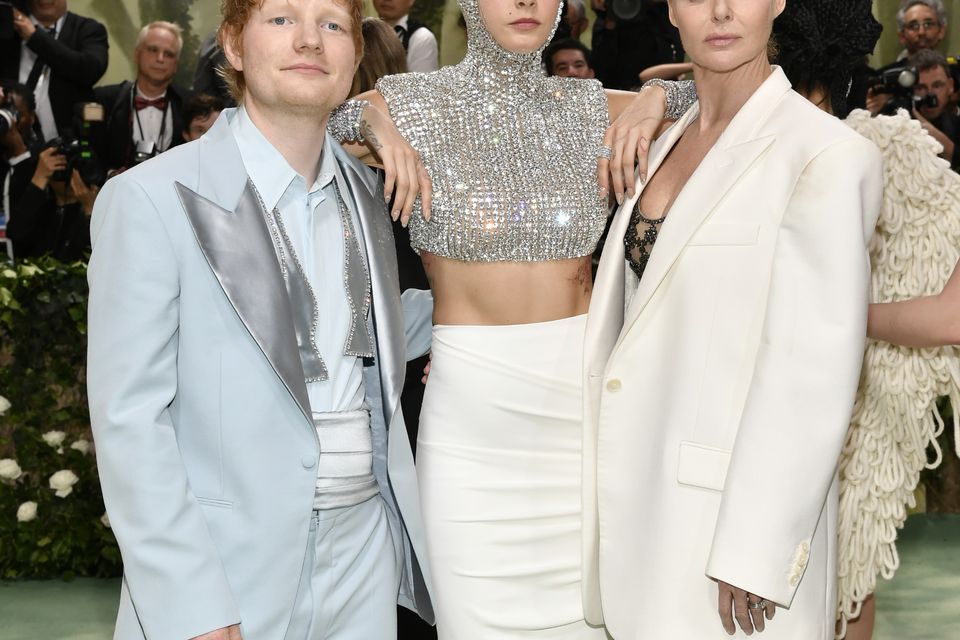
{"points": [[344, 123], [680, 95]]}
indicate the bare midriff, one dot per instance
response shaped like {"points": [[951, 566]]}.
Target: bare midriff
{"points": [[500, 293]]}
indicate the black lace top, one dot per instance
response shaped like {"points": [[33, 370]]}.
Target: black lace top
{"points": [[640, 238]]}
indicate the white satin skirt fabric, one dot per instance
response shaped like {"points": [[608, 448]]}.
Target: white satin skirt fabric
{"points": [[498, 461]]}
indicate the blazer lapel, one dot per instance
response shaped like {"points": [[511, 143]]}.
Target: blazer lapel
{"points": [[227, 220], [377, 234], [606, 305], [733, 154]]}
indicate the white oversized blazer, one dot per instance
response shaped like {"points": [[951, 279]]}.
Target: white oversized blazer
{"points": [[717, 401]]}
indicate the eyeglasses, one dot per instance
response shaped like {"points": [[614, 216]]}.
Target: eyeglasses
{"points": [[926, 25]]}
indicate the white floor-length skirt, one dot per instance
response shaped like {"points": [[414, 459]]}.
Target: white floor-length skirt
{"points": [[498, 459]]}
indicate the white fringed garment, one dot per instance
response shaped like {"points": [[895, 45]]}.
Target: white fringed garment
{"points": [[895, 420]]}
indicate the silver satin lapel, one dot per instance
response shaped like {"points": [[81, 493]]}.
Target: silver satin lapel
{"points": [[356, 280], [377, 234], [303, 301], [239, 250]]}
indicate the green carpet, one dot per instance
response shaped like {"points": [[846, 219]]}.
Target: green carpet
{"points": [[921, 603]]}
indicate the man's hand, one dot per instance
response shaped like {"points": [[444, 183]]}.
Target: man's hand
{"points": [[734, 604], [23, 25], [636, 119], [877, 101], [426, 368], [49, 162], [936, 134], [85, 194], [226, 633]]}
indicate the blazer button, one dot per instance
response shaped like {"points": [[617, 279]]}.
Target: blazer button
{"points": [[614, 384], [308, 461]]}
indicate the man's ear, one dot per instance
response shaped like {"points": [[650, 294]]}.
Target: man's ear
{"points": [[231, 47]]}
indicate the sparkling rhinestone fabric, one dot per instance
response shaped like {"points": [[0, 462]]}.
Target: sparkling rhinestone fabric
{"points": [[512, 154]]}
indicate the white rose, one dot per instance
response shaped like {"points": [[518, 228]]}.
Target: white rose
{"points": [[105, 520], [62, 482], [81, 445], [27, 511], [54, 438], [4, 405], [9, 469]]}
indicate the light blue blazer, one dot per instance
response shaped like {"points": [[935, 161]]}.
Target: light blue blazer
{"points": [[206, 450]]}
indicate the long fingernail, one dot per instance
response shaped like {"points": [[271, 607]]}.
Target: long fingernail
{"points": [[643, 178], [619, 198]]}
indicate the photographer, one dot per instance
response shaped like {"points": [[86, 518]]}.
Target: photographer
{"points": [[17, 117], [940, 121], [52, 214], [57, 54], [628, 37], [145, 117]]}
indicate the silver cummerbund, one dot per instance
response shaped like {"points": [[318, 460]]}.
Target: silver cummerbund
{"points": [[345, 471]]}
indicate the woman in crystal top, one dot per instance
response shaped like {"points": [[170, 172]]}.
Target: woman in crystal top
{"points": [[516, 213]]}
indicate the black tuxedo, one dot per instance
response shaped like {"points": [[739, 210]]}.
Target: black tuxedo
{"points": [[116, 146], [77, 59]]}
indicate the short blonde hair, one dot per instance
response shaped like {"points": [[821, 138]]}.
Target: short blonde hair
{"points": [[172, 27], [234, 15]]}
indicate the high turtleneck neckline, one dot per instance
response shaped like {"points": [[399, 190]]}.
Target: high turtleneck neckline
{"points": [[488, 58]]}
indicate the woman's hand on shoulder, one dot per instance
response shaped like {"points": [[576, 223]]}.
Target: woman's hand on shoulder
{"points": [[384, 147], [636, 118]]}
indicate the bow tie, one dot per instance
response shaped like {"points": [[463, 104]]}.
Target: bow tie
{"points": [[140, 103], [400, 30]]}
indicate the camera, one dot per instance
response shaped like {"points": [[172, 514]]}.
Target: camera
{"points": [[144, 150], [6, 16], [79, 150], [9, 116], [627, 11], [899, 82]]}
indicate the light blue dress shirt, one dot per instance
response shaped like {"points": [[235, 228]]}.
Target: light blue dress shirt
{"points": [[312, 221]]}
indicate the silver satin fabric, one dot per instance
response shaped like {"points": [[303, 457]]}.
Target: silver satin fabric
{"points": [[303, 300], [511, 153]]}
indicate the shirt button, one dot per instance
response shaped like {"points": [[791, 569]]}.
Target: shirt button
{"points": [[308, 461], [614, 384]]}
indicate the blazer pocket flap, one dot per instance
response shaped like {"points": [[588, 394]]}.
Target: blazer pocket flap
{"points": [[215, 502], [702, 466], [726, 233]]}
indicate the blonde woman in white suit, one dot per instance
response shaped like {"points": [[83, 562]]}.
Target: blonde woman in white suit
{"points": [[719, 384]]}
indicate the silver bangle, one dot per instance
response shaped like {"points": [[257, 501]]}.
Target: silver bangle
{"points": [[680, 95], [344, 123]]}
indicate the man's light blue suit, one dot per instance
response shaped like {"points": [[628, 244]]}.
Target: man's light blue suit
{"points": [[205, 444]]}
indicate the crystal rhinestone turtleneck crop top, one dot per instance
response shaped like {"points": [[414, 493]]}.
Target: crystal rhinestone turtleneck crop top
{"points": [[512, 154]]}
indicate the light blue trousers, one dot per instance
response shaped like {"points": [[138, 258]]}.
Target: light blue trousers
{"points": [[349, 582]]}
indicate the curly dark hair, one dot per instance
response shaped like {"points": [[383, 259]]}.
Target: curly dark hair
{"points": [[821, 43]]}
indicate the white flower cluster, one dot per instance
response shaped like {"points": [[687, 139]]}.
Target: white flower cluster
{"points": [[9, 469], [62, 482], [27, 511]]}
